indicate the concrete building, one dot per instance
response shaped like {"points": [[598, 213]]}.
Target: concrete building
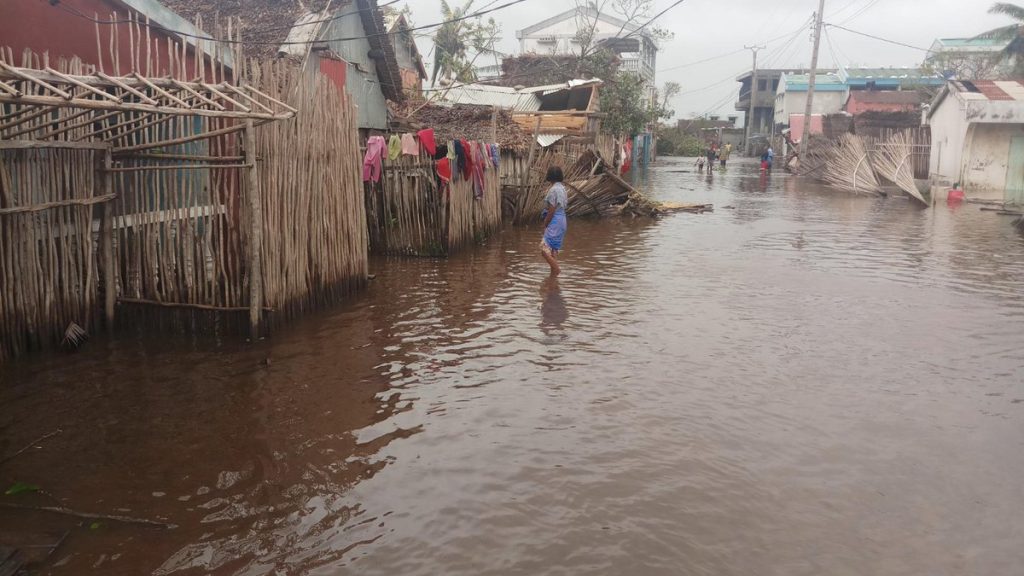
{"points": [[969, 58], [560, 34], [978, 138], [863, 101], [760, 111], [882, 79], [830, 94]]}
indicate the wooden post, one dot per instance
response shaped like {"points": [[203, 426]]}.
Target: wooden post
{"points": [[107, 242], [255, 234]]}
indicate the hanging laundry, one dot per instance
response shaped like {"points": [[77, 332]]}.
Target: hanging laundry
{"points": [[394, 147], [460, 157], [426, 137], [442, 151], [495, 155], [467, 168], [409, 146], [375, 147], [444, 170], [444, 175], [451, 151]]}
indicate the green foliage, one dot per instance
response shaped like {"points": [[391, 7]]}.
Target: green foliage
{"points": [[454, 42], [673, 141], [1014, 51], [20, 488], [628, 109]]}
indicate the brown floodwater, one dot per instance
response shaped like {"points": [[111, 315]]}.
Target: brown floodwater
{"points": [[801, 383]]}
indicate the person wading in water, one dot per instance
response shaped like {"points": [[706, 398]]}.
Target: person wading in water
{"points": [[554, 219]]}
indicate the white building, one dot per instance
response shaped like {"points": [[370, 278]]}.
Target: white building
{"points": [[830, 93], [969, 58], [561, 35], [978, 138]]}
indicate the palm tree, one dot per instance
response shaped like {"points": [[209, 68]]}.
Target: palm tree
{"points": [[1014, 33]]}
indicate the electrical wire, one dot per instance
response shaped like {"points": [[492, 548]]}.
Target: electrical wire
{"points": [[292, 42], [897, 43]]}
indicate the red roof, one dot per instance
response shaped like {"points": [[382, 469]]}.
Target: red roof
{"points": [[998, 90]]}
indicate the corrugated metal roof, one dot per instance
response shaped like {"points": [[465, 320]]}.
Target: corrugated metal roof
{"points": [[305, 31], [992, 90], [546, 140], [501, 96], [522, 100]]}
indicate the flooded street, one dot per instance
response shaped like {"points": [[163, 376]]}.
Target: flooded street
{"points": [[800, 383]]}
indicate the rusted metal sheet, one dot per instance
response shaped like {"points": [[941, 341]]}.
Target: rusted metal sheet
{"points": [[336, 70]]}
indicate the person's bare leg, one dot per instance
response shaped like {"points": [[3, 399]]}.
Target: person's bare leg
{"points": [[552, 262]]}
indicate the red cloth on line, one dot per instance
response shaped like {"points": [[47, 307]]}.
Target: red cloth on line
{"points": [[426, 137], [444, 169], [467, 168]]}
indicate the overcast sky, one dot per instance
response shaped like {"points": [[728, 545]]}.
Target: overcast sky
{"points": [[720, 28]]}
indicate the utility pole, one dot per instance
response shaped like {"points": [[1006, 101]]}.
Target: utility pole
{"points": [[805, 139], [753, 94]]}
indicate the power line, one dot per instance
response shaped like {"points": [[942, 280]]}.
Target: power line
{"points": [[293, 42], [878, 38], [857, 14], [655, 17], [769, 41]]}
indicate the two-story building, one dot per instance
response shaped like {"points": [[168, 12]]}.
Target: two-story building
{"points": [[830, 93], [757, 101], [566, 33], [969, 58]]}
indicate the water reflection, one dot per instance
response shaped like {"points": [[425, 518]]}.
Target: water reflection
{"points": [[728, 391], [552, 309]]}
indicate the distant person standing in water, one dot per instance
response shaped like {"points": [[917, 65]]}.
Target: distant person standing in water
{"points": [[726, 152], [711, 157], [771, 157], [554, 219]]}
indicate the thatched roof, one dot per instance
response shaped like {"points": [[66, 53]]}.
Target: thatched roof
{"points": [[465, 122], [264, 23]]}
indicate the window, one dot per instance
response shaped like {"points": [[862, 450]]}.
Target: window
{"points": [[762, 85], [775, 85]]}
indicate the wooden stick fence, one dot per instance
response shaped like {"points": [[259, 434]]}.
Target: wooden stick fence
{"points": [[410, 213], [185, 219]]}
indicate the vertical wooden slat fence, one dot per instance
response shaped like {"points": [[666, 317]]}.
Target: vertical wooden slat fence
{"points": [[410, 213]]}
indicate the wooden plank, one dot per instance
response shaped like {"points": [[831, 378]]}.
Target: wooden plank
{"points": [[31, 144], [255, 235], [131, 106], [107, 245], [179, 167], [57, 204]]}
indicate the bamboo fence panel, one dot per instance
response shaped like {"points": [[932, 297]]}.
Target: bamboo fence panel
{"points": [[314, 221], [405, 210], [177, 229], [48, 274], [409, 213]]}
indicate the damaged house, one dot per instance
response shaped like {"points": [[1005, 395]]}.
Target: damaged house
{"points": [[978, 138], [345, 40]]}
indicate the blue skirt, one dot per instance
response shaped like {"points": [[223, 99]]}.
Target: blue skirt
{"points": [[555, 232]]}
